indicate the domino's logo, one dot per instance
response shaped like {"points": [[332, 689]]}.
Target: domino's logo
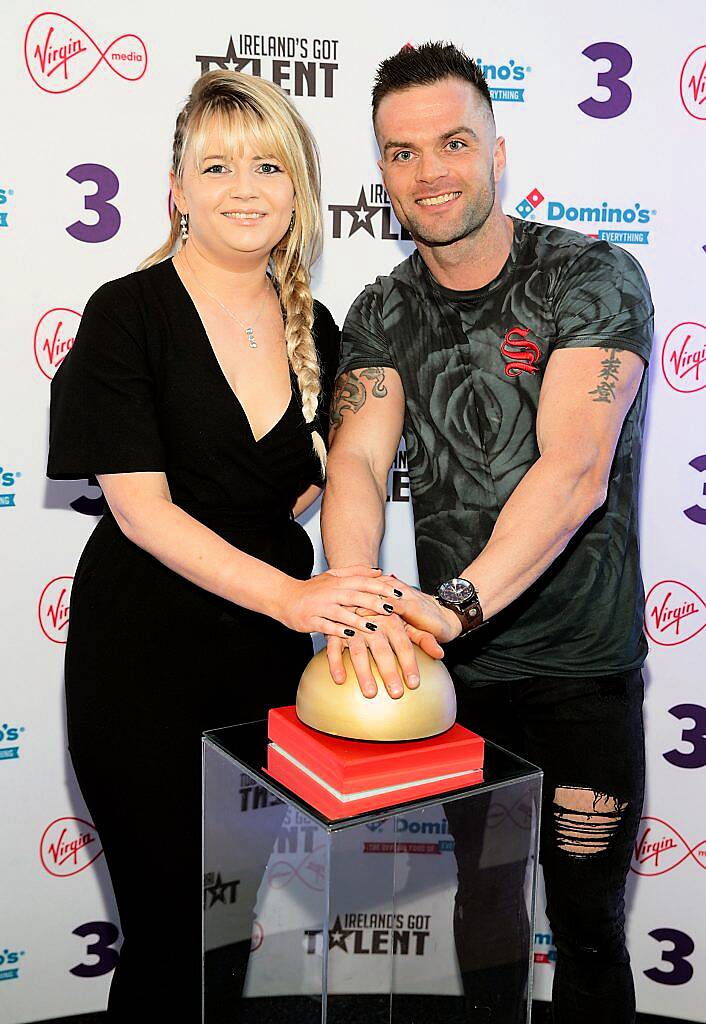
{"points": [[6, 195], [506, 82], [8, 484], [10, 739], [623, 225], [10, 963], [532, 200]]}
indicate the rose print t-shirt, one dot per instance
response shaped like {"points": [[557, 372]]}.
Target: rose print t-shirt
{"points": [[472, 364]]}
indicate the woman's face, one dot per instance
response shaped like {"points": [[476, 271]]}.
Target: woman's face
{"points": [[236, 204]]}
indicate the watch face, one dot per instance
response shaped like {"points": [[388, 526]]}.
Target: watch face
{"points": [[457, 592]]}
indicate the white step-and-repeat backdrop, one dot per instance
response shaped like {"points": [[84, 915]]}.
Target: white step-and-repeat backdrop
{"points": [[604, 111]]}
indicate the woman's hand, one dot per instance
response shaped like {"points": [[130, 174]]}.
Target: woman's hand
{"points": [[338, 602], [390, 644]]}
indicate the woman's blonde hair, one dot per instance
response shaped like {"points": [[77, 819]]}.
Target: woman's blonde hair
{"points": [[246, 109]]}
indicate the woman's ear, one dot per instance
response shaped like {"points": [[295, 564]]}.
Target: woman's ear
{"points": [[177, 194]]}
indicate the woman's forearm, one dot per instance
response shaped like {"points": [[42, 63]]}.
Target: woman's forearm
{"points": [[306, 500], [198, 554]]}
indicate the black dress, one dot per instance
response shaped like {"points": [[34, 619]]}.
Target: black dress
{"points": [[152, 660]]}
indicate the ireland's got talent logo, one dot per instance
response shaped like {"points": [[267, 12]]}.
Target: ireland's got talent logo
{"points": [[60, 55]]}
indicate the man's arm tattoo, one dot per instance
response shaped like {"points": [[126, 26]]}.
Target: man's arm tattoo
{"points": [[351, 393], [604, 390]]}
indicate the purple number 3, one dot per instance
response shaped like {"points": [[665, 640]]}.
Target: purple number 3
{"points": [[696, 757], [612, 79], [682, 947], [107, 186], [107, 958]]}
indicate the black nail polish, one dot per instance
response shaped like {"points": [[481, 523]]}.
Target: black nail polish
{"points": [[349, 632], [397, 593], [370, 626], [388, 608], [376, 567]]}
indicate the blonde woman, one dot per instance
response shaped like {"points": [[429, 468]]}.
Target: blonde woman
{"points": [[197, 392]]}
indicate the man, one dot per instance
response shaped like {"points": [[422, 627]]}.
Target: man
{"points": [[512, 356]]}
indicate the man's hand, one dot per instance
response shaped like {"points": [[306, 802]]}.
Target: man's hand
{"points": [[423, 612], [390, 643]]}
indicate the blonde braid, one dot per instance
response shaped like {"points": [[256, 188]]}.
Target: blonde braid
{"points": [[174, 238], [298, 308]]}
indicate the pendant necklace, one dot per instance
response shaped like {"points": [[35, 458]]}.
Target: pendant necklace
{"points": [[249, 331]]}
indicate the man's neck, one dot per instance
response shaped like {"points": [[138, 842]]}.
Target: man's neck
{"points": [[473, 261]]}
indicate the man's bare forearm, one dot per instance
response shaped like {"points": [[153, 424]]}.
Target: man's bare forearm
{"points": [[352, 512], [530, 533]]}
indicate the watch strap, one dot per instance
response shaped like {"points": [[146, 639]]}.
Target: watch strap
{"points": [[470, 617]]}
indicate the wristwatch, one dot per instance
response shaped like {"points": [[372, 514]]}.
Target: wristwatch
{"points": [[462, 598]]}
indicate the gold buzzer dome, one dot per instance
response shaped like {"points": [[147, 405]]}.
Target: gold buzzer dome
{"points": [[340, 709]]}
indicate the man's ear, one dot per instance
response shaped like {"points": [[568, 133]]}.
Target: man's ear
{"points": [[499, 158]]}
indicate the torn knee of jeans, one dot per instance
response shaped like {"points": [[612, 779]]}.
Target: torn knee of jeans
{"points": [[585, 821]]}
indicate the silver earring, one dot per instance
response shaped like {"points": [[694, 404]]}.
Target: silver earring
{"points": [[184, 227], [291, 222]]}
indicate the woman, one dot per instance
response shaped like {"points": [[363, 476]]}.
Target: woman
{"points": [[197, 392]]}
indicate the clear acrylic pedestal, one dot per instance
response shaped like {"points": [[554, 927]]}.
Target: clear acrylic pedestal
{"points": [[420, 912]]}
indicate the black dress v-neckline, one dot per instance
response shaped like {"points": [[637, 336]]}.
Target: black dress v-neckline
{"points": [[219, 369]]}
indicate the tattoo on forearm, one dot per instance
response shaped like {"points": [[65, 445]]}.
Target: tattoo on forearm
{"points": [[604, 390], [350, 393]]}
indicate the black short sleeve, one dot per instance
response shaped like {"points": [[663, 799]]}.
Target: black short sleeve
{"points": [[327, 339], [363, 341], [102, 415], [602, 299]]}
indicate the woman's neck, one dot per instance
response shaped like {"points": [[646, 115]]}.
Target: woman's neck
{"points": [[243, 276]]}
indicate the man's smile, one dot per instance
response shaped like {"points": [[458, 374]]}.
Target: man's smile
{"points": [[440, 200]]}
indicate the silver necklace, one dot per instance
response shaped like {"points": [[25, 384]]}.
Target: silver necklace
{"points": [[249, 331]]}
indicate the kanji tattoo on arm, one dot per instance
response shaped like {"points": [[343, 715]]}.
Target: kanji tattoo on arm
{"points": [[604, 390], [350, 393]]}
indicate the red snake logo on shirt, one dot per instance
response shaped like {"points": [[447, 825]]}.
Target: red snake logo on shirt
{"points": [[523, 354]]}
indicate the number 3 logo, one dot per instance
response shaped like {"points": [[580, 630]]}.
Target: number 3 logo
{"points": [[620, 92], [107, 185], [683, 946], [696, 736], [107, 935]]}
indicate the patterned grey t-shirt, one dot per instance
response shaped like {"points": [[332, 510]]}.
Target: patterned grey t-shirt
{"points": [[472, 365]]}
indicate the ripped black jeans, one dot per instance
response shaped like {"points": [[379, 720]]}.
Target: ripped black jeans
{"points": [[587, 736]]}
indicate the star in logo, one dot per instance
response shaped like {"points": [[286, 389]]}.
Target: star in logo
{"points": [[217, 891], [338, 936], [361, 215], [230, 61]]}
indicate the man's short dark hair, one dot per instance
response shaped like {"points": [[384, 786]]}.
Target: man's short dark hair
{"points": [[424, 65]]}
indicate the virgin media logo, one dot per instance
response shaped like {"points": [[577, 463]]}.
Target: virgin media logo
{"points": [[54, 337], [692, 83], [659, 848], [53, 610], [60, 55], [69, 845], [684, 357], [309, 870], [674, 613]]}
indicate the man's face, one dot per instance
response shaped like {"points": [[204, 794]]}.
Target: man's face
{"points": [[440, 159]]}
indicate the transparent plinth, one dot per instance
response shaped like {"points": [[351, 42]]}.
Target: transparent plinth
{"points": [[419, 912]]}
